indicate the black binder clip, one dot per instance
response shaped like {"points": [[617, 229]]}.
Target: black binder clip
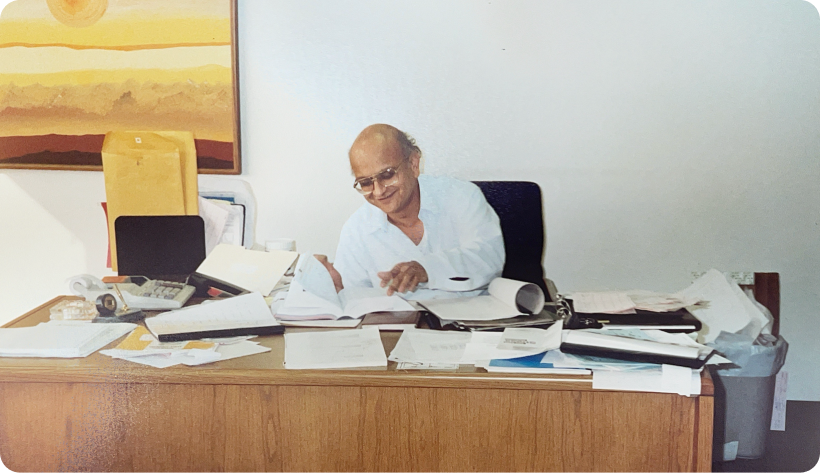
{"points": [[571, 319]]}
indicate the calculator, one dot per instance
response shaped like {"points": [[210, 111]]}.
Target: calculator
{"points": [[156, 294]]}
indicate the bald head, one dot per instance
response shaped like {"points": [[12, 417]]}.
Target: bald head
{"points": [[383, 150], [380, 138]]}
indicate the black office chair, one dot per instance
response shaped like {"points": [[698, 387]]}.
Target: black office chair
{"points": [[518, 205]]}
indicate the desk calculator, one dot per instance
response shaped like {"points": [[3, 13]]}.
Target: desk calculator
{"points": [[156, 294]]}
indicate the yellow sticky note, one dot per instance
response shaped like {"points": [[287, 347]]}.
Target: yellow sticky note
{"points": [[198, 344], [134, 342]]}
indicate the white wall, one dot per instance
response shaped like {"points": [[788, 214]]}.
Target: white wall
{"points": [[667, 136]]}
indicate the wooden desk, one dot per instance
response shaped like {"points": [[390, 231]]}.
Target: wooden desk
{"points": [[99, 413]]}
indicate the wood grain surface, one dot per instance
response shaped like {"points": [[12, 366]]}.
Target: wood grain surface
{"points": [[98, 414]]}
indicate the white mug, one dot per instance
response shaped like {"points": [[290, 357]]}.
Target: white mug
{"points": [[282, 244]]}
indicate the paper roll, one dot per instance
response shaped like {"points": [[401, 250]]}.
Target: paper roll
{"points": [[524, 296]]}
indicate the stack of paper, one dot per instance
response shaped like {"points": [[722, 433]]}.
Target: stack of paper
{"points": [[247, 314], [143, 348], [334, 349], [474, 348], [59, 339]]}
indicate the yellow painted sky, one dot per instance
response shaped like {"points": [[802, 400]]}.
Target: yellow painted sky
{"points": [[29, 9], [125, 24], [19, 60], [118, 34], [210, 74]]}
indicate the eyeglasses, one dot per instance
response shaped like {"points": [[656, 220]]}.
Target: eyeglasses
{"points": [[386, 177]]}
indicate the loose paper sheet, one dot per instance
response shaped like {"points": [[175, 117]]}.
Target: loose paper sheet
{"points": [[215, 216], [723, 311], [257, 271], [602, 303], [663, 379], [334, 349]]}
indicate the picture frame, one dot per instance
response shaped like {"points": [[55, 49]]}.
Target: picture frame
{"points": [[72, 71]]}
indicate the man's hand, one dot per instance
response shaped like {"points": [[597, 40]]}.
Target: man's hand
{"points": [[334, 275], [403, 277]]}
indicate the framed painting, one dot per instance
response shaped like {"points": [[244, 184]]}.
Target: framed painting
{"points": [[73, 70]]}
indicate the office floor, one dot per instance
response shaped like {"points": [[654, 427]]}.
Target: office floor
{"points": [[795, 449]]}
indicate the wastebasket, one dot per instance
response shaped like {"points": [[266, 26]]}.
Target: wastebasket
{"points": [[744, 393]]}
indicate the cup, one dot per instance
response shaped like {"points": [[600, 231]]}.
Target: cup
{"points": [[280, 244]]}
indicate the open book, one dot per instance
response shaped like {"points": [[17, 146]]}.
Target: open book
{"points": [[508, 298], [312, 296]]}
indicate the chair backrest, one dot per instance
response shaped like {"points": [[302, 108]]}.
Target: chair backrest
{"points": [[518, 205]]}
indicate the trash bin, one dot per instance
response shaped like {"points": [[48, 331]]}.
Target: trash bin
{"points": [[744, 393]]}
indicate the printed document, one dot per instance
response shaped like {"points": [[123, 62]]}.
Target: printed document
{"points": [[335, 349], [602, 303]]}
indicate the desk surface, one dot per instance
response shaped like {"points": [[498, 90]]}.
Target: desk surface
{"points": [[250, 414], [267, 368]]}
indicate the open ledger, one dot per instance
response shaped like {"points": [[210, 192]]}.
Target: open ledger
{"points": [[312, 296], [508, 298], [247, 314]]}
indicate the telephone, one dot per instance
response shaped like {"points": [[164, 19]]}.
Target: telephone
{"points": [[151, 295]]}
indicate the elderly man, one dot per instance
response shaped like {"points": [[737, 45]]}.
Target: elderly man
{"points": [[420, 235]]}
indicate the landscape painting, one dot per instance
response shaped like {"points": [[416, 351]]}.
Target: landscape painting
{"points": [[73, 70]]}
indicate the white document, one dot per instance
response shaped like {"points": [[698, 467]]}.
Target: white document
{"points": [[724, 311], [507, 299], [602, 303], [334, 349], [566, 360], [430, 346], [661, 379], [214, 215], [483, 347], [532, 340], [313, 294], [60, 339], [660, 302], [257, 271], [781, 386], [229, 351], [247, 310]]}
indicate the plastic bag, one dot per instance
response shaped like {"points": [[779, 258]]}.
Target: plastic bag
{"points": [[752, 358]]}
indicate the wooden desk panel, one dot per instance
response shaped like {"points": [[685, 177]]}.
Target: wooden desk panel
{"points": [[249, 414]]}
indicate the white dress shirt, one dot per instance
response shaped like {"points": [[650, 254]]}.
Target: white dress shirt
{"points": [[462, 239]]}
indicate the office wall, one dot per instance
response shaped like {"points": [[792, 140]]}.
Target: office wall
{"points": [[668, 137]]}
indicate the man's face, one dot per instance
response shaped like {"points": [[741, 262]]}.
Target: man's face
{"points": [[371, 156]]}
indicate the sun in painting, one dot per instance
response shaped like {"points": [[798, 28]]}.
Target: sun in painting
{"points": [[77, 13]]}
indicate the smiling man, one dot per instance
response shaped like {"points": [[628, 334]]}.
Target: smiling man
{"points": [[424, 236]]}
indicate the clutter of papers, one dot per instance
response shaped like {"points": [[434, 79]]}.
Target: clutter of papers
{"points": [[618, 359], [143, 348]]}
